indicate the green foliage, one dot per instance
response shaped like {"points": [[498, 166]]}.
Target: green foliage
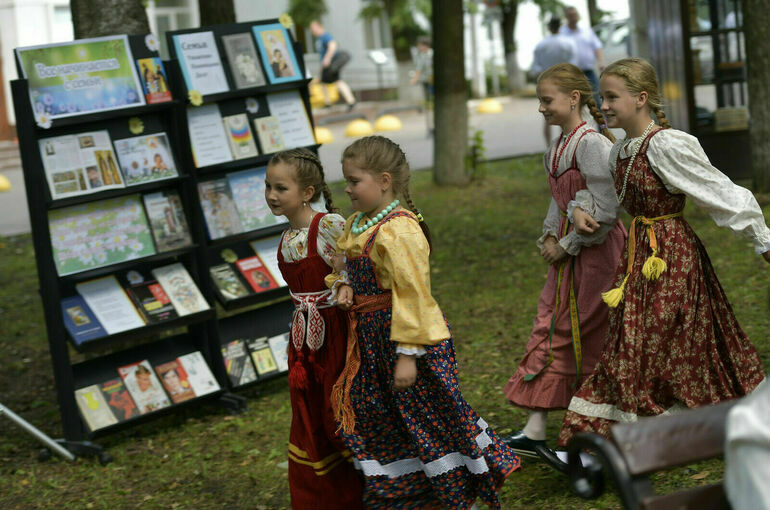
{"points": [[305, 11], [403, 27], [474, 156]]}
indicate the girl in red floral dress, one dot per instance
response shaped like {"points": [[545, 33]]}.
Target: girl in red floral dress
{"points": [[321, 474], [674, 341]]}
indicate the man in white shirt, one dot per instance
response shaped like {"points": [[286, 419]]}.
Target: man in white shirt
{"points": [[589, 47], [553, 49]]}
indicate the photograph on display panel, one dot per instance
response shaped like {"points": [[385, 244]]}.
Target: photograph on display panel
{"points": [[275, 48]]}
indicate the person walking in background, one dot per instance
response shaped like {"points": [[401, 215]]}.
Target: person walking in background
{"points": [[423, 74], [332, 60], [553, 49], [588, 46]]}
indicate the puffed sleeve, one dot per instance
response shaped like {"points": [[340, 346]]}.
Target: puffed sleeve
{"points": [[403, 252], [599, 198], [678, 159], [330, 230]]}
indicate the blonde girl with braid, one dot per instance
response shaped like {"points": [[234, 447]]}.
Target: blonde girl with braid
{"points": [[319, 463], [415, 439], [673, 340], [571, 321]]}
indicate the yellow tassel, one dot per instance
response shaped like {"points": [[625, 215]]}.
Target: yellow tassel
{"points": [[614, 297], [653, 267]]}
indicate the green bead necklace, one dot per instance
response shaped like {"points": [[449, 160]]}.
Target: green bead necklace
{"points": [[357, 230]]}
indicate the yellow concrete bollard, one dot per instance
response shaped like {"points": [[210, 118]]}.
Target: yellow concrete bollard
{"points": [[5, 184], [358, 127], [388, 123], [323, 135], [489, 105], [317, 96]]}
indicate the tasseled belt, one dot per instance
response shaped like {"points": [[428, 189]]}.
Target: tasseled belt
{"points": [[308, 331], [653, 266], [340, 398]]}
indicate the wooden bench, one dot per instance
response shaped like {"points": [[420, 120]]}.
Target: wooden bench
{"points": [[636, 450]]}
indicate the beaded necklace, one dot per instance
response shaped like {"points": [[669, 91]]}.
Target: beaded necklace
{"points": [[633, 157], [369, 224], [555, 161]]}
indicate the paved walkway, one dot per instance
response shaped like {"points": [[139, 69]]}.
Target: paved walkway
{"points": [[514, 132]]}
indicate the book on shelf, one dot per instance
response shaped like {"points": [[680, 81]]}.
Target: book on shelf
{"points": [[276, 51], [248, 192], [145, 158], [200, 63], [154, 80], [79, 164], [167, 220], [180, 288], [80, 321], [262, 356], [269, 134], [144, 386], [255, 272], [279, 345], [100, 233], [219, 210], [243, 60], [117, 397], [199, 374], [208, 140], [94, 408], [149, 297], [293, 121], [267, 249], [227, 282], [238, 364], [239, 136], [110, 304], [174, 379]]}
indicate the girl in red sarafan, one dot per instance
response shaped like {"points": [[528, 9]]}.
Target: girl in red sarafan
{"points": [[321, 474], [674, 341]]}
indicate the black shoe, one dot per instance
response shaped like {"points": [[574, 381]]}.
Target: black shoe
{"points": [[523, 445], [549, 456]]}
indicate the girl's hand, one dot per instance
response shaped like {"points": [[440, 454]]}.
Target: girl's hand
{"points": [[405, 372], [338, 262], [766, 255], [584, 223], [345, 297], [553, 252]]}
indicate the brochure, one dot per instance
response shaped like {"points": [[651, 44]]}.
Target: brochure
{"points": [[200, 63], [243, 59], [145, 158], [207, 135], [275, 48], [289, 108]]}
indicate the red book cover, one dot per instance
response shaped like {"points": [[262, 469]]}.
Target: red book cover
{"points": [[174, 379], [117, 397], [256, 273]]}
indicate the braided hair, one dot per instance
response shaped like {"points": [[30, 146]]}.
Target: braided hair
{"points": [[377, 154], [309, 170], [639, 76]]}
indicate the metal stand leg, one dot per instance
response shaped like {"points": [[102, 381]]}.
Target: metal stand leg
{"points": [[47, 441]]}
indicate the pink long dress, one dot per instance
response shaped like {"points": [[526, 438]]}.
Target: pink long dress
{"points": [[580, 322]]}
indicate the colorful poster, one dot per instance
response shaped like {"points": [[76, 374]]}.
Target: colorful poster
{"points": [[200, 63], [77, 77], [154, 81], [275, 47], [96, 234], [145, 158]]}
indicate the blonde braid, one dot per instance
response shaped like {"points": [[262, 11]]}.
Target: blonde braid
{"points": [[599, 118], [416, 211], [661, 115], [328, 199]]}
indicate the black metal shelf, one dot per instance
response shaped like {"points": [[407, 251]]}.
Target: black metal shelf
{"points": [[115, 192], [253, 91], [104, 115], [241, 164], [251, 235]]}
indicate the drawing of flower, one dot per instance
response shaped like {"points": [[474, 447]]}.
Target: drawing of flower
{"points": [[151, 42], [196, 98], [43, 120], [285, 20], [135, 125], [252, 105]]}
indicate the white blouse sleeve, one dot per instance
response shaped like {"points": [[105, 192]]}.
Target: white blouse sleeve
{"points": [[551, 224], [678, 159], [329, 231]]}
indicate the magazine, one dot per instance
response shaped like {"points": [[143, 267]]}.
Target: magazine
{"points": [[79, 164], [243, 60], [80, 321], [219, 210], [248, 192], [150, 298], [144, 386], [154, 81], [200, 63], [94, 408], [267, 249], [269, 134], [207, 135], [110, 304], [238, 363], [174, 379], [255, 272], [180, 288], [262, 356], [145, 158], [198, 373], [227, 282], [289, 108], [119, 400], [167, 219], [239, 135], [279, 345]]}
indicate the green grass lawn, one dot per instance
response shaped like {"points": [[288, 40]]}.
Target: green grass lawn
{"points": [[487, 276]]}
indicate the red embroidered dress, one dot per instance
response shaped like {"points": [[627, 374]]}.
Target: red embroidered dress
{"points": [[674, 341], [321, 474]]}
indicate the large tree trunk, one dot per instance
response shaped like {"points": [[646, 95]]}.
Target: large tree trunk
{"points": [[594, 13], [756, 26], [451, 110], [95, 18], [216, 12], [515, 76]]}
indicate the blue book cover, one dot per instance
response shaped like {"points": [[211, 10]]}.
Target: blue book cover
{"points": [[80, 321]]}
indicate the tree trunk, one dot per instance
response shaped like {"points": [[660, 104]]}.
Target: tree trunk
{"points": [[515, 76], [96, 18], [594, 13], [451, 110], [216, 12], [756, 26]]}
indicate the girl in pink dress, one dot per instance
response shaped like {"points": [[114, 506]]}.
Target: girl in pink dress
{"points": [[571, 321]]}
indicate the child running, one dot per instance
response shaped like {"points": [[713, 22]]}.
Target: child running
{"points": [[321, 475], [571, 322], [673, 341], [416, 440]]}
